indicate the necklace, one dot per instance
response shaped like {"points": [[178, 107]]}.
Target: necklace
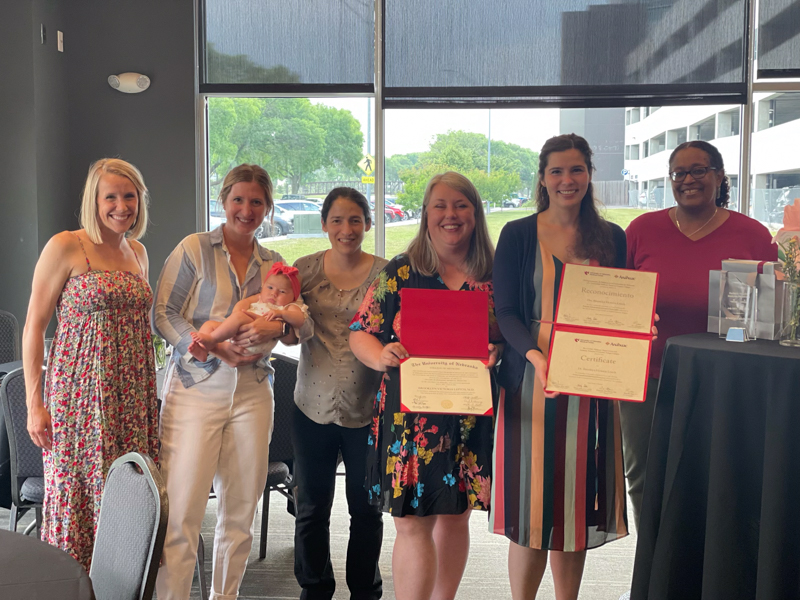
{"points": [[678, 223]]}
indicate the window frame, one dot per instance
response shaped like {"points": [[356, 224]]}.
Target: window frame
{"points": [[592, 98]]}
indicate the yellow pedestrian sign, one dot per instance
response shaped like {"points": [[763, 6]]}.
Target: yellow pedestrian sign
{"points": [[367, 164]]}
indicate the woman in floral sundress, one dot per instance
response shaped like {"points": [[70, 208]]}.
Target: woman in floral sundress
{"points": [[99, 399], [428, 470]]}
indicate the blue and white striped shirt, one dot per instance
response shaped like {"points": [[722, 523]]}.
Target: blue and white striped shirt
{"points": [[197, 284]]}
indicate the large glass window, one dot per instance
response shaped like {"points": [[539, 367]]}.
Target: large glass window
{"points": [[257, 53], [451, 50], [704, 130], [280, 45], [308, 146], [774, 166]]}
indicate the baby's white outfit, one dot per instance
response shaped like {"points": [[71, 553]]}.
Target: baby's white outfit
{"points": [[262, 308]]}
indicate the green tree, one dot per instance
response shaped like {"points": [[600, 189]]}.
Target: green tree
{"points": [[400, 162], [513, 167], [238, 68], [290, 137]]}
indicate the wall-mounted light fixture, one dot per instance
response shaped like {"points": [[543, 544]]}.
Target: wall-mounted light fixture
{"points": [[130, 83]]}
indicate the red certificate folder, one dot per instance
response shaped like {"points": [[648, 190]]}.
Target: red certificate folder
{"points": [[445, 324], [602, 336]]}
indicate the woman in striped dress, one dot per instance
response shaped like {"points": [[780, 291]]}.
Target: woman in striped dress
{"points": [[559, 482]]}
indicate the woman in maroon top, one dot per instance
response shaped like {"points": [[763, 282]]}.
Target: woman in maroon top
{"points": [[682, 244]]}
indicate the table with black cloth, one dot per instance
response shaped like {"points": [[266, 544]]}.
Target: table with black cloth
{"points": [[721, 508], [33, 570]]}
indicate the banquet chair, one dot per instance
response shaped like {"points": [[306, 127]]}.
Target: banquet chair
{"points": [[281, 451], [9, 338], [130, 530], [27, 470]]}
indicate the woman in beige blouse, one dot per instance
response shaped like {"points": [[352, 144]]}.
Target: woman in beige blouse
{"points": [[334, 396]]}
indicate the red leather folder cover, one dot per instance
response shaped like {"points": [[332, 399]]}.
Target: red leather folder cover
{"points": [[445, 323]]}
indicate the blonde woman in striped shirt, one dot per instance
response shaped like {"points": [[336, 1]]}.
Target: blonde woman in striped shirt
{"points": [[216, 420]]}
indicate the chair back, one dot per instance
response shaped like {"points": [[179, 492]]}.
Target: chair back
{"points": [[9, 338], [280, 448], [130, 530], [26, 457]]}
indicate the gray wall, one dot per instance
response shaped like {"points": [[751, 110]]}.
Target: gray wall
{"points": [[18, 222], [155, 130], [59, 115]]}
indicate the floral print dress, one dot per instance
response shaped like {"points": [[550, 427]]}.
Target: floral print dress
{"points": [[101, 394], [421, 464]]}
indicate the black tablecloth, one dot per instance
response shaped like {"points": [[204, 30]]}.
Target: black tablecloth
{"points": [[33, 570], [721, 509]]}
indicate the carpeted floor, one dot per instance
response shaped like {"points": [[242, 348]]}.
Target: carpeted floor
{"points": [[607, 575]]}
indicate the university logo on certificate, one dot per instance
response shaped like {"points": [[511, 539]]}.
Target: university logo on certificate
{"points": [[446, 334], [602, 337]]}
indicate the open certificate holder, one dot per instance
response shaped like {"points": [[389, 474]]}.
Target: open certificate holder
{"points": [[446, 334], [601, 339]]}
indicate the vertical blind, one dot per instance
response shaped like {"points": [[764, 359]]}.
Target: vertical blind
{"points": [[568, 53], [778, 38], [287, 46]]}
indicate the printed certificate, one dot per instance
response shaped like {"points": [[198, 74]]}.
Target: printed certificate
{"points": [[606, 298], [445, 385], [446, 371], [598, 365], [601, 339]]}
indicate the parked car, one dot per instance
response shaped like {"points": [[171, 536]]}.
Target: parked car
{"points": [[509, 203], [290, 208], [280, 224], [390, 214], [389, 201], [303, 205]]}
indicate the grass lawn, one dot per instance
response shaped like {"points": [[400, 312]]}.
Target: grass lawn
{"points": [[398, 236]]}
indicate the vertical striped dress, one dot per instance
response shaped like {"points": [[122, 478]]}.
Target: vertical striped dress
{"points": [[559, 482]]}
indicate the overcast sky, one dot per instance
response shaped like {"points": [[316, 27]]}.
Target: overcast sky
{"points": [[411, 130]]}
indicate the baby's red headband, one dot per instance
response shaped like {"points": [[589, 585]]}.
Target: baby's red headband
{"points": [[279, 268]]}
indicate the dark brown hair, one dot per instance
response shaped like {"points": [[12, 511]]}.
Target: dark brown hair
{"points": [[347, 193], [715, 160], [594, 239]]}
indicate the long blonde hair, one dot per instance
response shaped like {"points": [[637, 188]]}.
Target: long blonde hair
{"points": [[480, 255], [88, 215]]}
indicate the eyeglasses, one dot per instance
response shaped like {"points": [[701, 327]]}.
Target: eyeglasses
{"points": [[696, 173]]}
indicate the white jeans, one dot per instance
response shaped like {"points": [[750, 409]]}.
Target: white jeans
{"points": [[215, 431]]}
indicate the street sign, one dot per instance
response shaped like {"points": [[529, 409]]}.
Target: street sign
{"points": [[367, 164], [625, 172], [365, 179]]}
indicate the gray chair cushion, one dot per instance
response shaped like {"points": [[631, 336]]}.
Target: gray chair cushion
{"points": [[32, 490], [9, 337], [124, 534], [26, 455]]}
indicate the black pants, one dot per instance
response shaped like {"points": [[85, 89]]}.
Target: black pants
{"points": [[316, 450]]}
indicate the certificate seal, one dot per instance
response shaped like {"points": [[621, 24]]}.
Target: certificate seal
{"points": [[447, 404]]}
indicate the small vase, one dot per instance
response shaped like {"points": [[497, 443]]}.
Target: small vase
{"points": [[790, 323]]}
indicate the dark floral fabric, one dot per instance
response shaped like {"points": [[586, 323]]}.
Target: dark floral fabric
{"points": [[101, 395], [421, 464]]}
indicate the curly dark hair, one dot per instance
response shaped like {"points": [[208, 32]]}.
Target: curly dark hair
{"points": [[595, 239], [715, 160]]}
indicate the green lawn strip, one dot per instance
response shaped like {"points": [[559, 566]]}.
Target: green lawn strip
{"points": [[397, 238]]}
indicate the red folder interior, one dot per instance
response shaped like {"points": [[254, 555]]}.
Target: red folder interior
{"points": [[445, 323]]}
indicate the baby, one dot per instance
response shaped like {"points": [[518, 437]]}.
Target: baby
{"points": [[279, 299]]}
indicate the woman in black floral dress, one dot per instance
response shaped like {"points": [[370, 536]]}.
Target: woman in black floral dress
{"points": [[427, 470]]}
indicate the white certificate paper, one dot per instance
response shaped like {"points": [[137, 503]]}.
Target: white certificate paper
{"points": [[605, 298], [458, 386], [598, 365]]}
